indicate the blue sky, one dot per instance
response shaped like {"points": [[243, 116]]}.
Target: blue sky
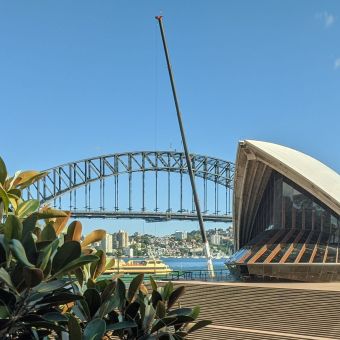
{"points": [[83, 78]]}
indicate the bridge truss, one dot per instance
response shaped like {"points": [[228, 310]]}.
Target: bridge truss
{"points": [[93, 187]]}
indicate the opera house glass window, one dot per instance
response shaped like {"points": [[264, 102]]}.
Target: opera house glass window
{"points": [[285, 205], [293, 228]]}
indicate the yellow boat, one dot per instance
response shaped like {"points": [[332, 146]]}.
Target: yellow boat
{"points": [[149, 266]]}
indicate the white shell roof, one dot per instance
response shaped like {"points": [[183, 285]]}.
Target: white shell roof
{"points": [[292, 163]]}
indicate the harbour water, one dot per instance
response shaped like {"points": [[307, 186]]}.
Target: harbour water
{"points": [[192, 263], [187, 269]]}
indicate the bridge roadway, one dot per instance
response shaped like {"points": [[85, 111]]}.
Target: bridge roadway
{"points": [[148, 216]]}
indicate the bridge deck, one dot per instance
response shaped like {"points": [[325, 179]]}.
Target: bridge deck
{"points": [[150, 216]]}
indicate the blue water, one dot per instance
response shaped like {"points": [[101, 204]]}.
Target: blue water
{"points": [[192, 264]]}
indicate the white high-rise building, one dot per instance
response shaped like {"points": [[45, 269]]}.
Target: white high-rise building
{"points": [[181, 235], [107, 243], [215, 239]]}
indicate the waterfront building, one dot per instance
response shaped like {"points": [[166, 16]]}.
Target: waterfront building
{"points": [[286, 214], [215, 239], [128, 252], [123, 239], [115, 243], [181, 235], [107, 243]]}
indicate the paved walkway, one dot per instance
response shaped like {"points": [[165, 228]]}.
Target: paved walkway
{"points": [[327, 286], [265, 310], [268, 333]]}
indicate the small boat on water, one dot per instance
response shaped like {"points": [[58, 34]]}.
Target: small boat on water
{"points": [[147, 266]]}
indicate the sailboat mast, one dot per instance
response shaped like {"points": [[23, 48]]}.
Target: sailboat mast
{"points": [[186, 151]]}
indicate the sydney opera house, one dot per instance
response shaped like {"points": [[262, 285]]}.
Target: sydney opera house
{"points": [[286, 215]]}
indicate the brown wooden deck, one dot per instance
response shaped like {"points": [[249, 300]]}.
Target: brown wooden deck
{"points": [[266, 311]]}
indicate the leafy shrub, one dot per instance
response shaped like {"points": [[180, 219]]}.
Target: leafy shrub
{"points": [[50, 283]]}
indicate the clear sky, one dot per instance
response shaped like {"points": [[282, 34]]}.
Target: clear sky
{"points": [[84, 78]]}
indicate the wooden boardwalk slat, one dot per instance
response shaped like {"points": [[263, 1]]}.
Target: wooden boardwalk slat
{"points": [[251, 312]]}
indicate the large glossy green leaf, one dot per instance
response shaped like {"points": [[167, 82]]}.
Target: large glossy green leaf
{"points": [[155, 297], [51, 286], [48, 233], [3, 250], [134, 286], [40, 325], [4, 312], [47, 213], [30, 247], [4, 199], [160, 309], [92, 298], [29, 224], [27, 208], [160, 323], [149, 316], [110, 263], [19, 252], [59, 223], [94, 236], [13, 201], [3, 171], [13, 228], [153, 283], [60, 298], [198, 325], [97, 268], [4, 277], [132, 310], [94, 330], [181, 319], [46, 254], [108, 291], [79, 274], [119, 295], [121, 325], [175, 295], [108, 306], [26, 178], [74, 328], [81, 310], [44, 257], [32, 276], [68, 252], [168, 289], [181, 311], [55, 317], [195, 312], [48, 268], [7, 299], [74, 231], [15, 193], [79, 262]]}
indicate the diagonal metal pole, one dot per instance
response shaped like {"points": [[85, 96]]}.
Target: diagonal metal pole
{"points": [[186, 151]]}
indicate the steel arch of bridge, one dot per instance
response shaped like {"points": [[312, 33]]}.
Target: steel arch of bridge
{"points": [[69, 177]]}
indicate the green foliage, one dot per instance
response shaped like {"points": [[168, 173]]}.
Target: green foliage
{"points": [[133, 313], [50, 286], [36, 276]]}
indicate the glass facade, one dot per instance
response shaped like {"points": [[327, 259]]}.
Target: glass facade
{"points": [[285, 205], [291, 232]]}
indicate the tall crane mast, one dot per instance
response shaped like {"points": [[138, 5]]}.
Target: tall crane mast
{"points": [[186, 152]]}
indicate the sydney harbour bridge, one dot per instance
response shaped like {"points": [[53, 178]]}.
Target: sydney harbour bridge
{"points": [[151, 185]]}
